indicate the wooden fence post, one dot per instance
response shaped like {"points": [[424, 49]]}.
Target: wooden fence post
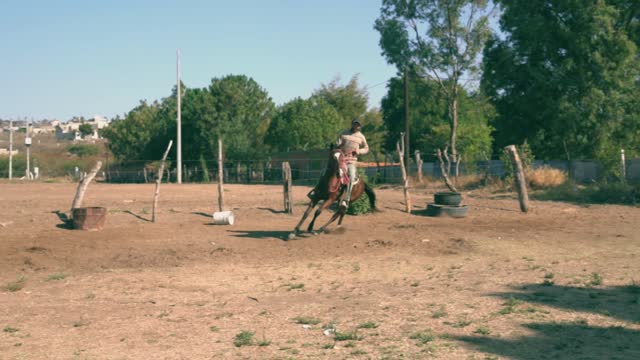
{"points": [[623, 166], [520, 180], [405, 177], [220, 176], [288, 195], [159, 181], [419, 164]]}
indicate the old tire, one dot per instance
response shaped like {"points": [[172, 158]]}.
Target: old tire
{"points": [[442, 210], [447, 198]]}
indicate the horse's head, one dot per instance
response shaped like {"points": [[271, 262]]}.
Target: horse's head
{"points": [[336, 162]]}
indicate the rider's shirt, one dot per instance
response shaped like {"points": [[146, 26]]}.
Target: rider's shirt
{"points": [[351, 142]]}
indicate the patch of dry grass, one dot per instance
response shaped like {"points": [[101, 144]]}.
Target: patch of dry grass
{"points": [[545, 177]]}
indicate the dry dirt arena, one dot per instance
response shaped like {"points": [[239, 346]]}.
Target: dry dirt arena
{"points": [[561, 282]]}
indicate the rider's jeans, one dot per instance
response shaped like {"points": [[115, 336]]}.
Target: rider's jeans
{"points": [[352, 171]]}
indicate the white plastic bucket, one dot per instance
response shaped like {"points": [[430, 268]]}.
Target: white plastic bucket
{"points": [[223, 218]]}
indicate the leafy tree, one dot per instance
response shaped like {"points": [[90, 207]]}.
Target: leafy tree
{"points": [[243, 115], [85, 129], [438, 39], [129, 137], [82, 150], [374, 129], [304, 124], [430, 123], [565, 77], [350, 100], [234, 107]]}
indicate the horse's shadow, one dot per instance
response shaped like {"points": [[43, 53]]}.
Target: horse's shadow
{"points": [[260, 234]]}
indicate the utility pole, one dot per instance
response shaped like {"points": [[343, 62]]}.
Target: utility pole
{"points": [[406, 115], [10, 149], [27, 143], [179, 140]]}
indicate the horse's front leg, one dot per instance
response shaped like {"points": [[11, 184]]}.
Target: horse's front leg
{"points": [[325, 205], [296, 231]]}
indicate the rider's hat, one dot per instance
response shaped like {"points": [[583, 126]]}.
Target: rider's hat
{"points": [[356, 121]]}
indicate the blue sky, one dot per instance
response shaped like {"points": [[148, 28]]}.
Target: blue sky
{"points": [[65, 58]]}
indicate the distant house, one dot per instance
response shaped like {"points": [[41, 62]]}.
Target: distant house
{"points": [[71, 129], [66, 133], [45, 128], [5, 152]]}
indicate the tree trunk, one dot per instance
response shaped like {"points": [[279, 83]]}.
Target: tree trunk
{"points": [[454, 128], [405, 177], [82, 186], [520, 180], [447, 181], [407, 118]]}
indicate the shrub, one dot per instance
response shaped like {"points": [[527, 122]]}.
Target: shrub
{"points": [[243, 338], [545, 178], [82, 150], [360, 206], [599, 193]]}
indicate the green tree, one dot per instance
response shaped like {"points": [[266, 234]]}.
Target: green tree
{"points": [[374, 129], [430, 122], [304, 124], [350, 100], [437, 39], [243, 115], [565, 77], [85, 129], [234, 108], [129, 137]]}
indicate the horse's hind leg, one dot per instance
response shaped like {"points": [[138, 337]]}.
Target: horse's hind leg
{"points": [[296, 231], [341, 217], [337, 214]]}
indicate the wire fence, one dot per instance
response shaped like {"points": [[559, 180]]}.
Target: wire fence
{"points": [[305, 171]]}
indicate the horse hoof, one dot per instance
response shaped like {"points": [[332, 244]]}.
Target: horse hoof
{"points": [[292, 236]]}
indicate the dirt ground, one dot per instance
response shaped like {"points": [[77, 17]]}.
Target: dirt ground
{"points": [[561, 282]]}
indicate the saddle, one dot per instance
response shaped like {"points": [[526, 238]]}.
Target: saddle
{"points": [[343, 181], [336, 185]]}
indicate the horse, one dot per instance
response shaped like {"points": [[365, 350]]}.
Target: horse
{"points": [[329, 189]]}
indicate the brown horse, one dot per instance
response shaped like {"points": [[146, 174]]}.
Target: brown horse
{"points": [[329, 189]]}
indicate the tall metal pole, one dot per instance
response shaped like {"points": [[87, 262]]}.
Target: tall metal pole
{"points": [[406, 114], [27, 142], [179, 140], [10, 149]]}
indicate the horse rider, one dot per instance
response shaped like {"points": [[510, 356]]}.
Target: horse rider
{"points": [[353, 143]]}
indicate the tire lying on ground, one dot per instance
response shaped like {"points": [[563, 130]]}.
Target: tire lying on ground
{"points": [[445, 210], [447, 198]]}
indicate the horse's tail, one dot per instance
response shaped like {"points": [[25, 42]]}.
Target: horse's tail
{"points": [[372, 197]]}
